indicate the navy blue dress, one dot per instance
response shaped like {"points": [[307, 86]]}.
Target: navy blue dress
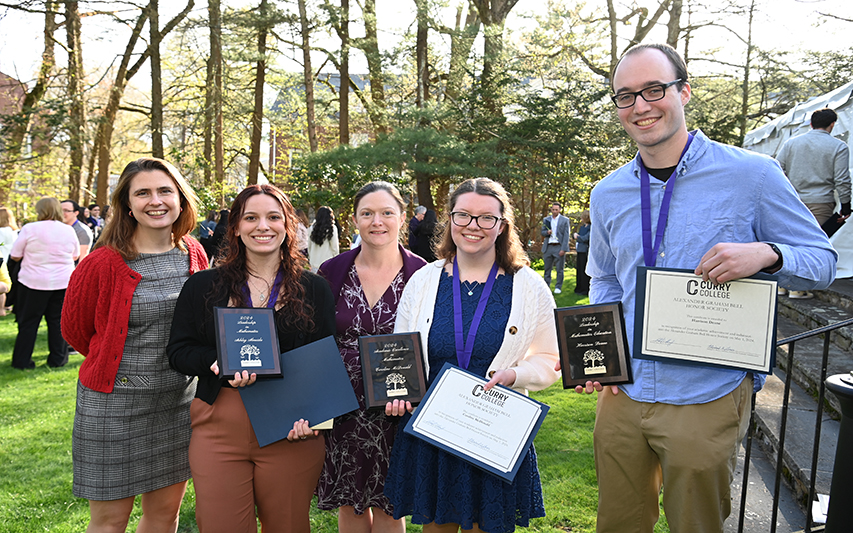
{"points": [[434, 486]]}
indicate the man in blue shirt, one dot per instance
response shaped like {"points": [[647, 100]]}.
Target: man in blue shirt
{"points": [[732, 214]]}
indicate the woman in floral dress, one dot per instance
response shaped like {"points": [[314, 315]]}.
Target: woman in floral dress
{"points": [[367, 283]]}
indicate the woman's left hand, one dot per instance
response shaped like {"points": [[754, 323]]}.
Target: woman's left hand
{"points": [[504, 377], [301, 431], [240, 379]]}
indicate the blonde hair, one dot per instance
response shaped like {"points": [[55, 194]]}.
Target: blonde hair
{"points": [[119, 231], [49, 209], [7, 219], [509, 253]]}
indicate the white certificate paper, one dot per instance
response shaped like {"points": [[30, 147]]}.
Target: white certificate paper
{"points": [[679, 317], [490, 429]]}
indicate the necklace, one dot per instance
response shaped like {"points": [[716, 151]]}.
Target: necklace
{"points": [[261, 294], [469, 286]]}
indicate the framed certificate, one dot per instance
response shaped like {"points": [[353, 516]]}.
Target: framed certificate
{"points": [[593, 344], [246, 339], [680, 318], [491, 429], [392, 367]]}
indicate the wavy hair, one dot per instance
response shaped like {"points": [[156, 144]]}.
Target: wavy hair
{"points": [[509, 253], [121, 227], [234, 271], [323, 224]]}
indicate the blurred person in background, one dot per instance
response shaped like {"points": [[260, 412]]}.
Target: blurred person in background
{"points": [[323, 238], [72, 214], [46, 250]]}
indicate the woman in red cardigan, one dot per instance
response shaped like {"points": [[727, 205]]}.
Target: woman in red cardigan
{"points": [[132, 424]]}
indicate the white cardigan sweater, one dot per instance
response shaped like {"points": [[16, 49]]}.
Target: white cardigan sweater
{"points": [[530, 339]]}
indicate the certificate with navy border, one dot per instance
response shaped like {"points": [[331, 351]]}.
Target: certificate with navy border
{"points": [[681, 318], [246, 339], [593, 344], [392, 368], [491, 429]]}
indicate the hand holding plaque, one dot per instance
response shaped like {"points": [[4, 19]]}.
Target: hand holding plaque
{"points": [[246, 339], [593, 345], [392, 367]]}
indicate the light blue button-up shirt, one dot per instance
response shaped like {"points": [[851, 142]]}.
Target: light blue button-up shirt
{"points": [[722, 194]]}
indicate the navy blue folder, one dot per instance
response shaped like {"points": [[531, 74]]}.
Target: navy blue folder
{"points": [[315, 387]]}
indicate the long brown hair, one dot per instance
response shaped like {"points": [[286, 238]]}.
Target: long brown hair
{"points": [[509, 253], [119, 231], [233, 271]]}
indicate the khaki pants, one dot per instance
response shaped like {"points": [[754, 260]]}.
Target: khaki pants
{"points": [[232, 474], [822, 212], [690, 450]]}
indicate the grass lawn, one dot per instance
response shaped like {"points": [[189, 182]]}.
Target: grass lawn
{"points": [[37, 413]]}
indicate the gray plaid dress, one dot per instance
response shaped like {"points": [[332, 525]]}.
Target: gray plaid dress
{"points": [[136, 439]]}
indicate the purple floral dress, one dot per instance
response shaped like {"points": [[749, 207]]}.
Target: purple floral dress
{"points": [[358, 449]]}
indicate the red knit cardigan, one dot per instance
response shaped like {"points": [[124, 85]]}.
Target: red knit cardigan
{"points": [[96, 311]]}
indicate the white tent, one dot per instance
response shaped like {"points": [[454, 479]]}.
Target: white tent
{"points": [[768, 139]]}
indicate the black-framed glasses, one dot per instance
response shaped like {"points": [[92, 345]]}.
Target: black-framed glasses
{"points": [[461, 218], [652, 93]]}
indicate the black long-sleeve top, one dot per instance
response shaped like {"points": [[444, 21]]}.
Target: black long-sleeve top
{"points": [[192, 345]]}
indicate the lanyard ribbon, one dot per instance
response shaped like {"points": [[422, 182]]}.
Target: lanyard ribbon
{"points": [[274, 290], [463, 352], [650, 251]]}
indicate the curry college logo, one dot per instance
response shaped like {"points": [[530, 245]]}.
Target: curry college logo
{"points": [[592, 363], [249, 356], [396, 385]]}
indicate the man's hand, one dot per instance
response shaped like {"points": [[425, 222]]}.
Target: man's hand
{"points": [[845, 211], [728, 260]]}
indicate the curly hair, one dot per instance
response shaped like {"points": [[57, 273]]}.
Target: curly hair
{"points": [[509, 252], [323, 224], [234, 272]]}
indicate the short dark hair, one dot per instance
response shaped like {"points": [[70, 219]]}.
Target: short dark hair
{"points": [[671, 54], [558, 204], [74, 205], [822, 118]]}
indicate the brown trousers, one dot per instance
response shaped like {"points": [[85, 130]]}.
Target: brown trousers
{"points": [[232, 475], [689, 449]]}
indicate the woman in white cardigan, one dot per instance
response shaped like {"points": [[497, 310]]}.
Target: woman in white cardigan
{"points": [[506, 334]]}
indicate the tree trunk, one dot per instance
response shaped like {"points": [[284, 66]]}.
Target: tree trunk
{"points": [[207, 130], [343, 124], [16, 139], [77, 109], [744, 106], [215, 13], [370, 47], [156, 80], [103, 138], [258, 111], [308, 75], [422, 179], [493, 14], [461, 42], [673, 27]]}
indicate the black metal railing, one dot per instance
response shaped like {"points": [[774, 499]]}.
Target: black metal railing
{"points": [[826, 331]]}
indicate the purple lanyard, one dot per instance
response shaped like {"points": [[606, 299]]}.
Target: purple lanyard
{"points": [[650, 252], [274, 290], [463, 354]]}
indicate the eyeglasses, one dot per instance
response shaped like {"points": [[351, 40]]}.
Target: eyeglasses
{"points": [[652, 93], [463, 219]]}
